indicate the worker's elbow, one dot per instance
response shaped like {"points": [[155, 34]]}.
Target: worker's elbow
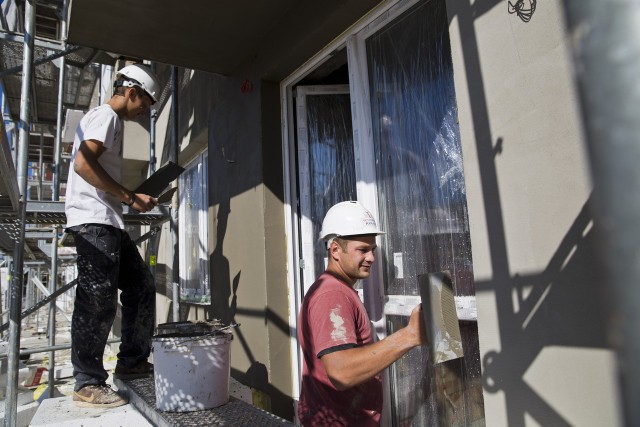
{"points": [[338, 385], [81, 165], [340, 381], [342, 375]]}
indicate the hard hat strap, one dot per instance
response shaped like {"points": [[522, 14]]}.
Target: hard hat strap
{"points": [[127, 82]]}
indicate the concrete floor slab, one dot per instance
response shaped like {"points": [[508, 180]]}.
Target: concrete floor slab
{"points": [[61, 412], [24, 414]]}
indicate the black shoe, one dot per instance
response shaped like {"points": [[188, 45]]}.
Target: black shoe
{"points": [[141, 370]]}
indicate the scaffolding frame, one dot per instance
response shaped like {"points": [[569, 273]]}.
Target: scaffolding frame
{"points": [[51, 214]]}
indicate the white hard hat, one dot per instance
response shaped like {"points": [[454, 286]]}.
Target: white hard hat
{"points": [[348, 219], [141, 76]]}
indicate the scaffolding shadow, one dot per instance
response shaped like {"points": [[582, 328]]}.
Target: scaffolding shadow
{"points": [[559, 306]]}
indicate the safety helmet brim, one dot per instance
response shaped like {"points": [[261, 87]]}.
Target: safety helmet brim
{"points": [[348, 219], [141, 76]]}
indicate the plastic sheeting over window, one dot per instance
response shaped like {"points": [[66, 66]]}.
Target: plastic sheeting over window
{"points": [[326, 152], [194, 258], [422, 200]]}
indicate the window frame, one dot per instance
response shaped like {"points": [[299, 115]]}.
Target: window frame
{"points": [[376, 302]]}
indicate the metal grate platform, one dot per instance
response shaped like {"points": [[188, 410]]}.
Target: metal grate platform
{"points": [[52, 213], [81, 76], [44, 214], [142, 395]]}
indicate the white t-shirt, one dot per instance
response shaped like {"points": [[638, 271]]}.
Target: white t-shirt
{"points": [[84, 203]]}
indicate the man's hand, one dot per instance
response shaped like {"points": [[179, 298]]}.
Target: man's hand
{"points": [[416, 325], [144, 202]]}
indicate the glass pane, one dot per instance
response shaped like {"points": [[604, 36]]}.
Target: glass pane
{"points": [[204, 230], [194, 265], [447, 394], [331, 160], [422, 201]]}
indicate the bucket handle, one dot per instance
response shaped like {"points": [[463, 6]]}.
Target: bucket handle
{"points": [[232, 325], [209, 334]]}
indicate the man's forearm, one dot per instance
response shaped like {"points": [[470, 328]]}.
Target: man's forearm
{"points": [[92, 171], [348, 368]]}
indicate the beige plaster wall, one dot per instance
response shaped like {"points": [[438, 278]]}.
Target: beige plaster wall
{"points": [[541, 316], [136, 137], [247, 248]]}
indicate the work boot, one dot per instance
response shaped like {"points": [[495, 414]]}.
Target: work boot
{"points": [[141, 370], [98, 396]]}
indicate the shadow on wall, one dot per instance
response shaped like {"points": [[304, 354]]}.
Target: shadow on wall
{"points": [[198, 93], [560, 306], [229, 109], [224, 306], [221, 285]]}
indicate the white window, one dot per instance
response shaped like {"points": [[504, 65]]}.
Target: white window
{"points": [[404, 155]]}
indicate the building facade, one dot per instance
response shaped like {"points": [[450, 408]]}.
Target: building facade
{"points": [[457, 124]]}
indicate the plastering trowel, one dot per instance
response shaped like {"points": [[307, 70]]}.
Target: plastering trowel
{"points": [[441, 320]]}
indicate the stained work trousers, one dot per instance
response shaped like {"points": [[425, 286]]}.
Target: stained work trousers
{"points": [[108, 260]]}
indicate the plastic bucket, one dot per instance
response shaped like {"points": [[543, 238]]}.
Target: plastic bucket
{"points": [[191, 372]]}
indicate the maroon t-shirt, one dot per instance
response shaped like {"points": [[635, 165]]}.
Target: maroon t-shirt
{"points": [[332, 318]]}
